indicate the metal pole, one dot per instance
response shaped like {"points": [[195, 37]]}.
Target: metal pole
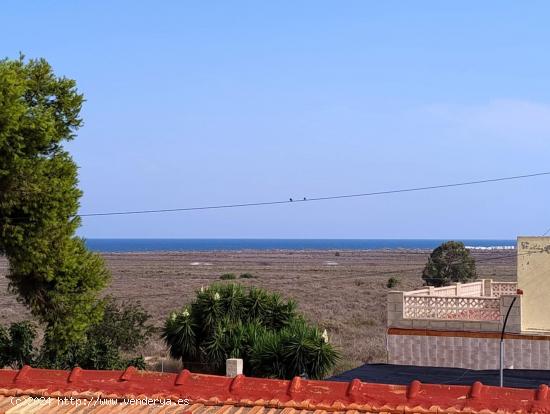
{"points": [[502, 342], [501, 363]]}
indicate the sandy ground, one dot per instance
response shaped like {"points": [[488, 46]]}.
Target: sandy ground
{"points": [[344, 291]]}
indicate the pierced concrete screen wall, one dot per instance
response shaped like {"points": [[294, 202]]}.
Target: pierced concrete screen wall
{"points": [[429, 308], [534, 279]]}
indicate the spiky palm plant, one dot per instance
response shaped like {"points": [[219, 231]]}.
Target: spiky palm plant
{"points": [[266, 358], [297, 343], [256, 303], [307, 351], [208, 308], [180, 333], [269, 308], [299, 348], [214, 347], [259, 327], [232, 301]]}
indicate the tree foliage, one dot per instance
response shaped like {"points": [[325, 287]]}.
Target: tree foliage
{"points": [[229, 321], [449, 263], [50, 268]]}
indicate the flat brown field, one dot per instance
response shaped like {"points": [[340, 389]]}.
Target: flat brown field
{"points": [[344, 292]]}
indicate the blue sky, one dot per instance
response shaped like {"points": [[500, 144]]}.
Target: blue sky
{"points": [[192, 103]]}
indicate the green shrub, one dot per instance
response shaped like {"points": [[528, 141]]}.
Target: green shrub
{"points": [[260, 327], [449, 263], [247, 276], [16, 344], [97, 353], [392, 282], [125, 324], [228, 276], [122, 330]]}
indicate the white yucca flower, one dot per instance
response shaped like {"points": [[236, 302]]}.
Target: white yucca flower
{"points": [[173, 316], [216, 296], [325, 336], [185, 313]]}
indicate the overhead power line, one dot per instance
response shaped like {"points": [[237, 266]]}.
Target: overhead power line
{"points": [[307, 199]]}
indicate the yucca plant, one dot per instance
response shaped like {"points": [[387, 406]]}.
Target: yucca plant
{"points": [[297, 350], [297, 343], [281, 313], [307, 351], [269, 308], [262, 328], [215, 346], [207, 308], [232, 300], [322, 358], [256, 303], [266, 358], [180, 333]]}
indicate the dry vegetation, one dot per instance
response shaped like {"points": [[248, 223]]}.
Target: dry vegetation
{"points": [[344, 292]]}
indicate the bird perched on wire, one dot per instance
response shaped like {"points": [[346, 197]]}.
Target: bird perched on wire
{"points": [[290, 199]]}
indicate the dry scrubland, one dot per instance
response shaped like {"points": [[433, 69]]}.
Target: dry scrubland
{"points": [[344, 292]]}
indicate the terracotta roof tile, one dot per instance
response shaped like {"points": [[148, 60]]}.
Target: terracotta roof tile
{"points": [[112, 391]]}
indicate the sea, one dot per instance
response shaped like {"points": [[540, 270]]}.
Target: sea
{"points": [[173, 245]]}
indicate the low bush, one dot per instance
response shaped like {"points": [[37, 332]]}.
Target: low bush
{"points": [[95, 353], [123, 329], [125, 324], [247, 276], [16, 345], [228, 276], [392, 282]]}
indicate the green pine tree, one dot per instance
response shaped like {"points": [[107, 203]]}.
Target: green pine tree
{"points": [[50, 268]]}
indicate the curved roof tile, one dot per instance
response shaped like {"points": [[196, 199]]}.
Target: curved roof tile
{"points": [[268, 395]]}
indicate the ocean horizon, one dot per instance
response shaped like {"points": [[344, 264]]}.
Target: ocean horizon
{"points": [[169, 245]]}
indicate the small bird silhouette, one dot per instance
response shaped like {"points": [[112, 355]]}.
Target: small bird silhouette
{"points": [[290, 199]]}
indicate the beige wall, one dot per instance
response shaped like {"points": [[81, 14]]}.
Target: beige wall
{"points": [[534, 279], [468, 352]]}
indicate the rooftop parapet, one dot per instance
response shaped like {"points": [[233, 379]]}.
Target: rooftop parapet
{"points": [[480, 305]]}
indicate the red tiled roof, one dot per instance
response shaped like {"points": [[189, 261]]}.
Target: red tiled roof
{"points": [[213, 394]]}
